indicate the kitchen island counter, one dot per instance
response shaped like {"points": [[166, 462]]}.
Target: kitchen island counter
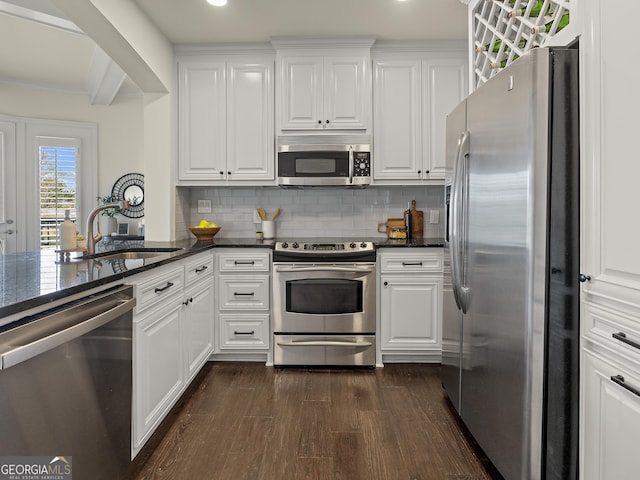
{"points": [[31, 279]]}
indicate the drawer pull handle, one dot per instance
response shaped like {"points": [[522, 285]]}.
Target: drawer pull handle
{"points": [[411, 264], [623, 338], [162, 289], [201, 269], [619, 379], [241, 294], [188, 301], [244, 333], [244, 262]]}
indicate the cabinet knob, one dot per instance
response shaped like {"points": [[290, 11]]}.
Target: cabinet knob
{"points": [[327, 121], [427, 172], [221, 172], [228, 173], [319, 122], [386, 283], [419, 172], [584, 278]]}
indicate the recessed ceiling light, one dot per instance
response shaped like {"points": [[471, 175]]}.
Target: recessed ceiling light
{"points": [[217, 3]]}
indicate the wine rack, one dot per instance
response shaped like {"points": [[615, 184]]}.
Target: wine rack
{"points": [[503, 30]]}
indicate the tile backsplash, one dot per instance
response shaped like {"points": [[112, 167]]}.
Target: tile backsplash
{"points": [[308, 213]]}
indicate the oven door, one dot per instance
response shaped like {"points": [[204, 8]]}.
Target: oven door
{"points": [[324, 298]]}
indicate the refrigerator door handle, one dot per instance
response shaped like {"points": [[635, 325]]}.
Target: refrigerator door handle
{"points": [[458, 225]]}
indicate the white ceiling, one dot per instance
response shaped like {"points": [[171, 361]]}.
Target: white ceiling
{"points": [[58, 57], [195, 21]]}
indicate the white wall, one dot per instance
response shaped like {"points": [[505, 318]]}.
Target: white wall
{"points": [[120, 125], [308, 213]]}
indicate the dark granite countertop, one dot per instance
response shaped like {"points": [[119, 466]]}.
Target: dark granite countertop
{"points": [[32, 279]]}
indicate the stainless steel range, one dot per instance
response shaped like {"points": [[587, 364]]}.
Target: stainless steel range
{"points": [[324, 303]]}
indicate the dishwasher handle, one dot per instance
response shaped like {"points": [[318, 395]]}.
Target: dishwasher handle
{"points": [[81, 326]]}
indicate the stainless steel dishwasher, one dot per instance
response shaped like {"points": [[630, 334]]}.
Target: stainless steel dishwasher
{"points": [[65, 385]]}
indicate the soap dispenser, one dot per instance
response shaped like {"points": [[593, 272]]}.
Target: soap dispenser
{"points": [[67, 233]]}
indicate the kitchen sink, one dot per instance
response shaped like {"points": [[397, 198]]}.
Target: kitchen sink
{"points": [[132, 253]]}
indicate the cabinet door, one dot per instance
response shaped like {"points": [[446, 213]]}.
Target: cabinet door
{"points": [[202, 120], [250, 129], [611, 420], [410, 309], [157, 366], [347, 96], [197, 332], [396, 119], [301, 93], [444, 87]]}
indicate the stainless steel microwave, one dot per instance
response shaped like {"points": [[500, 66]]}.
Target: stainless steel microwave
{"points": [[324, 161]]}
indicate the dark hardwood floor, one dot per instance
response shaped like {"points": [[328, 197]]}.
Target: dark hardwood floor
{"points": [[248, 421]]}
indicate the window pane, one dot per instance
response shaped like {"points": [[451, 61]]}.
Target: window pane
{"points": [[57, 190]]}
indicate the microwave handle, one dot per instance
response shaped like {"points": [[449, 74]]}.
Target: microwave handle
{"points": [[350, 164]]}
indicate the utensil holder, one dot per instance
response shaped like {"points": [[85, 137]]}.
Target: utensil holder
{"points": [[268, 229]]}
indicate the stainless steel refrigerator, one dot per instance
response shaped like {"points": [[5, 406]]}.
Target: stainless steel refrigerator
{"points": [[511, 314]]}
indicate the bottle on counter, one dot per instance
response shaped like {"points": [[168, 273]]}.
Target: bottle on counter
{"points": [[67, 233], [407, 220]]}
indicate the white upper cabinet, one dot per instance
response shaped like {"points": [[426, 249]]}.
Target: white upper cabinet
{"points": [[397, 118], [413, 92], [225, 119], [201, 119], [323, 88], [250, 134]]}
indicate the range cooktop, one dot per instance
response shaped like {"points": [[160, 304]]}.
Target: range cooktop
{"points": [[324, 247]]}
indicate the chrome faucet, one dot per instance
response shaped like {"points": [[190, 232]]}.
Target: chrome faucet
{"points": [[91, 239]]}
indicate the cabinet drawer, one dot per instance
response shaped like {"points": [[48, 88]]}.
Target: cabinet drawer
{"points": [[613, 330], [418, 262], [251, 261], [199, 267], [244, 331], [243, 293], [162, 284]]}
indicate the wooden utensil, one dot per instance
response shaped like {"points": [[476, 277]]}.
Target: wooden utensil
{"points": [[261, 213], [417, 221], [275, 214]]}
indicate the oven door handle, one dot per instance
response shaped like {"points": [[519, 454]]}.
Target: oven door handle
{"points": [[325, 269], [324, 343]]}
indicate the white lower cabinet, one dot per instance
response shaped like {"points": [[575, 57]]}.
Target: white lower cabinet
{"points": [[243, 286], [158, 374], [198, 326], [610, 418], [172, 337], [410, 304]]}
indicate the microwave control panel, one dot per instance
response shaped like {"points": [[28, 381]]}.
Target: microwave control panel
{"points": [[361, 164]]}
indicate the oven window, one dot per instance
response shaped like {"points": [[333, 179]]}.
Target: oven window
{"points": [[324, 296]]}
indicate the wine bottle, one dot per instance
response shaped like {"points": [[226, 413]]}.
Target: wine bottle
{"points": [[407, 221], [564, 21]]}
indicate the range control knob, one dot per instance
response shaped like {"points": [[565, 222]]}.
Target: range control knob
{"points": [[285, 245], [352, 245], [363, 166], [363, 244], [295, 245]]}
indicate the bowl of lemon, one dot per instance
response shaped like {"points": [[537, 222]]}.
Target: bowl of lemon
{"points": [[205, 231]]}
